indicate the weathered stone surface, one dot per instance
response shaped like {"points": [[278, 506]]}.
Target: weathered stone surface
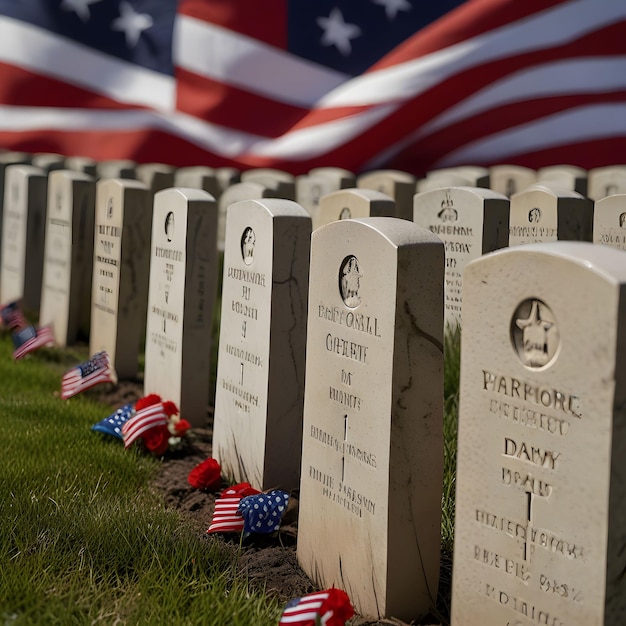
{"points": [[370, 493]]}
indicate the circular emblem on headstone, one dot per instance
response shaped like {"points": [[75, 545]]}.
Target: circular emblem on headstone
{"points": [[622, 220], [350, 281], [59, 202], [110, 208], [535, 333], [448, 213], [534, 215], [248, 239], [169, 225], [345, 214]]}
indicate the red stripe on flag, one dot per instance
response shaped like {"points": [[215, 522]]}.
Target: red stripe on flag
{"points": [[265, 21]]}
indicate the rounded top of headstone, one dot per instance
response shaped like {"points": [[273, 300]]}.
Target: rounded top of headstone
{"points": [[479, 192], [605, 260], [365, 194], [396, 175], [275, 207], [550, 188], [125, 183], [27, 170], [70, 175], [188, 193], [397, 231]]}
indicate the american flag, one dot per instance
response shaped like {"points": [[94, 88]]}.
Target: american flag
{"points": [[143, 421], [226, 519], [353, 83], [328, 608], [12, 316], [94, 371], [29, 339], [113, 424]]}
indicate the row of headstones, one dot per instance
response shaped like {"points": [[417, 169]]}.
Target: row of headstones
{"points": [[371, 433], [541, 421], [470, 220]]}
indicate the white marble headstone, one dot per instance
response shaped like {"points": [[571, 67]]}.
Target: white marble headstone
{"points": [[86, 165], [609, 221], [181, 297], [348, 204], [116, 168], [282, 182], [119, 299], [48, 161], [372, 453], [156, 176], [566, 176], [440, 180], [341, 178], [257, 430], [510, 179], [606, 181], [470, 221], [399, 186], [198, 177], [237, 193], [23, 234], [540, 534], [68, 255], [544, 213]]}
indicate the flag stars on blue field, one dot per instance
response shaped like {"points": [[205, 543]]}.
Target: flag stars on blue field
{"points": [[337, 32], [131, 23], [393, 6], [80, 7]]}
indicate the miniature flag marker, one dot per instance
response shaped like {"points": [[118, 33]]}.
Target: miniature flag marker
{"points": [[328, 608], [29, 339], [112, 425], [96, 370], [12, 316], [226, 518], [262, 513]]}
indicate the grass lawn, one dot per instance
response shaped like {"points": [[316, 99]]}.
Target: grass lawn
{"points": [[83, 539]]}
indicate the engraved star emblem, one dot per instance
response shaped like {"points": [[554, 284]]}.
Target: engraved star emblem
{"points": [[535, 340], [337, 33], [80, 7], [132, 24], [393, 6]]}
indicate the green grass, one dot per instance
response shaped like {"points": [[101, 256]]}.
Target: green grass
{"points": [[82, 537]]}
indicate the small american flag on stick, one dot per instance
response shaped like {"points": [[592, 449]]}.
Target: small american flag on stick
{"points": [[325, 608], [92, 372], [143, 421], [226, 519], [12, 316], [29, 339]]}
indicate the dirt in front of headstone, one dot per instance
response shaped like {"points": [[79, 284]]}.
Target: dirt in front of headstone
{"points": [[267, 561]]}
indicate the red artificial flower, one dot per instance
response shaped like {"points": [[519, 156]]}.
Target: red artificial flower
{"points": [[148, 400], [339, 603], [169, 408], [157, 439], [206, 475], [242, 490], [181, 427]]}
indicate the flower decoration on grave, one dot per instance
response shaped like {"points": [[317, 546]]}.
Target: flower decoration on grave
{"points": [[226, 517], [156, 423], [331, 607], [206, 475], [262, 513]]}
